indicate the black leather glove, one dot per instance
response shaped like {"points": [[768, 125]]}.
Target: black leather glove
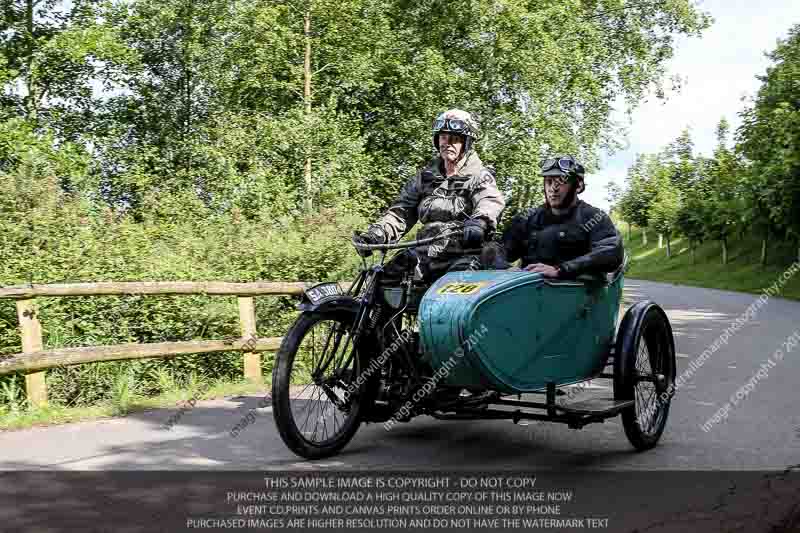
{"points": [[493, 257], [474, 232], [369, 237]]}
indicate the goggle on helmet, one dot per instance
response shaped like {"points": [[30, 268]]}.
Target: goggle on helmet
{"points": [[562, 166], [456, 121]]}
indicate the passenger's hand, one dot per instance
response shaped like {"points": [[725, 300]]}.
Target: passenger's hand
{"points": [[545, 270], [474, 232]]}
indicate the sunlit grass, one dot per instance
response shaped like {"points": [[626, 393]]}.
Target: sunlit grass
{"points": [[743, 272]]}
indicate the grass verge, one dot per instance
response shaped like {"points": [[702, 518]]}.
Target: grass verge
{"points": [[743, 272], [16, 417]]}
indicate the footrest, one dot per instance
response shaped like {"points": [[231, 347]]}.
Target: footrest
{"points": [[596, 406]]}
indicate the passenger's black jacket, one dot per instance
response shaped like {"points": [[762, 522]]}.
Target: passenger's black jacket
{"points": [[582, 241]]}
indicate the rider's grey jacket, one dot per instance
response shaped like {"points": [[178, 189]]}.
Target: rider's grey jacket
{"points": [[582, 241], [438, 202]]}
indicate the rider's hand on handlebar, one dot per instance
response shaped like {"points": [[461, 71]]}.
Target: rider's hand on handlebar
{"points": [[368, 237], [474, 232]]}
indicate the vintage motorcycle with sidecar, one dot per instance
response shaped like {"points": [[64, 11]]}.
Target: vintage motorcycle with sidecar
{"points": [[468, 346]]}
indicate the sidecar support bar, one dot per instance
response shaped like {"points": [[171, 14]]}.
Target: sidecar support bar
{"points": [[573, 421], [575, 415]]}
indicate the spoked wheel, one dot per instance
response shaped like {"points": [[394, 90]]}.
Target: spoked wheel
{"points": [[316, 396], [644, 371]]}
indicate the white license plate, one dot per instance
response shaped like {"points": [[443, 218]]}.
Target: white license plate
{"points": [[317, 293]]}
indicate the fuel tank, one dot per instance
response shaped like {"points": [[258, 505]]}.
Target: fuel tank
{"points": [[514, 332]]}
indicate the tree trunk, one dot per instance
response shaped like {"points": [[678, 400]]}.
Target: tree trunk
{"points": [[307, 97], [644, 236], [187, 96], [691, 250], [629, 231], [525, 195], [669, 251], [764, 249], [724, 250], [660, 241], [30, 103]]}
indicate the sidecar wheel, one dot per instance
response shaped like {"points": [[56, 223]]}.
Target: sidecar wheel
{"points": [[644, 371], [316, 398]]}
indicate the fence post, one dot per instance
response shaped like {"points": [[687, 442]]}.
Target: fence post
{"points": [[27, 314], [247, 319]]}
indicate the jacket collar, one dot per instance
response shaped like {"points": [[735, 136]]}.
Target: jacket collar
{"points": [[553, 218], [470, 165]]}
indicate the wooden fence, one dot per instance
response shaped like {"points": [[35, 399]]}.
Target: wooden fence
{"points": [[34, 360]]}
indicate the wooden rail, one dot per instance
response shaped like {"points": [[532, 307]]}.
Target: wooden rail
{"points": [[133, 288], [33, 360]]}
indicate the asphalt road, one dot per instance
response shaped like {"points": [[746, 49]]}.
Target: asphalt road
{"points": [[761, 433]]}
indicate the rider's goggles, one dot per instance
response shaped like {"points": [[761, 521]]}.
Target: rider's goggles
{"points": [[450, 124], [565, 164]]}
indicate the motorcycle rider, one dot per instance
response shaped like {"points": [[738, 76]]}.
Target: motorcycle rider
{"points": [[564, 237], [453, 191]]}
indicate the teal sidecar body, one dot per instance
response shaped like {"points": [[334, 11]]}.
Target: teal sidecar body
{"points": [[514, 332]]}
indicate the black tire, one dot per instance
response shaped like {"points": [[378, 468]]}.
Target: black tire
{"points": [[326, 394], [644, 371]]}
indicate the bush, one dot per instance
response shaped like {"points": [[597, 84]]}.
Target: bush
{"points": [[53, 236]]}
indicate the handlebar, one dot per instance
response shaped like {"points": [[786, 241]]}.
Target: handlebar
{"points": [[409, 244]]}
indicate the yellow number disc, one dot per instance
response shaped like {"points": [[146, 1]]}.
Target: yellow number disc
{"points": [[460, 288]]}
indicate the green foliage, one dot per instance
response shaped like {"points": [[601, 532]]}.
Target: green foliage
{"points": [[12, 394], [769, 139], [53, 236], [122, 390], [640, 193], [664, 211], [752, 186]]}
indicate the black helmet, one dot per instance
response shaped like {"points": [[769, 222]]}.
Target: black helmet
{"points": [[563, 166]]}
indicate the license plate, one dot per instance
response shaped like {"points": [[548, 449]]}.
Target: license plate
{"points": [[317, 293]]}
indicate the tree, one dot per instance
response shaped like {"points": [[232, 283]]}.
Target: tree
{"points": [[664, 211], [614, 194], [693, 215], [769, 139], [679, 156], [641, 191], [723, 202], [51, 53]]}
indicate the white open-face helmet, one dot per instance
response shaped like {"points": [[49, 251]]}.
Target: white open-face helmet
{"points": [[459, 122]]}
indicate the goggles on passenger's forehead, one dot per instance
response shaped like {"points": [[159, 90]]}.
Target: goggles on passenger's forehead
{"points": [[565, 164]]}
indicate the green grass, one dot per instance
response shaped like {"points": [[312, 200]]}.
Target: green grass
{"points": [[742, 273], [124, 401]]}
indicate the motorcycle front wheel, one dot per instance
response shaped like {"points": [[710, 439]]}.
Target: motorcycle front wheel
{"points": [[317, 396]]}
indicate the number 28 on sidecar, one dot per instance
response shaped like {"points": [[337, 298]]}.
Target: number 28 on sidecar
{"points": [[481, 344]]}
